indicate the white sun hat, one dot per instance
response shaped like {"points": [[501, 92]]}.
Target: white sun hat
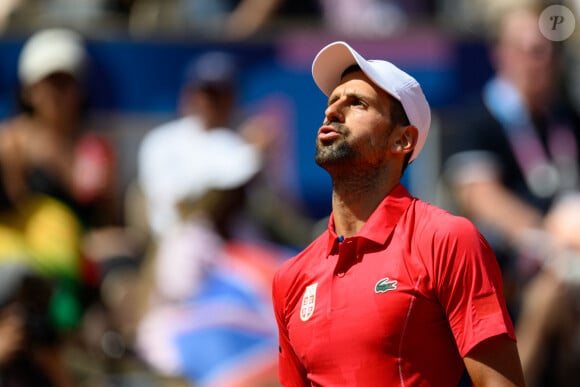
{"points": [[332, 60], [50, 51]]}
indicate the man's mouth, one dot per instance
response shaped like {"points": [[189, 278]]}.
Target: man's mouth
{"points": [[327, 133]]}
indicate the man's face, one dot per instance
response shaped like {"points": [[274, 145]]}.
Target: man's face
{"points": [[355, 134]]}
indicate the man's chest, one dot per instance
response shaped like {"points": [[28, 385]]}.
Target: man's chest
{"points": [[364, 305]]}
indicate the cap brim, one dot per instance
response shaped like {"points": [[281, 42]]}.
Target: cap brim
{"points": [[330, 63]]}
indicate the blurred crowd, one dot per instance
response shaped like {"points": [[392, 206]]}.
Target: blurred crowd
{"points": [[165, 280], [511, 164]]}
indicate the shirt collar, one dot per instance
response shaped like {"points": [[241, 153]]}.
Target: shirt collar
{"points": [[382, 221]]}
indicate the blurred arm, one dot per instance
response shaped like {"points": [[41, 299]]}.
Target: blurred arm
{"points": [[490, 202], [250, 16]]}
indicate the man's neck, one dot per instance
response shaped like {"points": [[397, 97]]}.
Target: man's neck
{"points": [[353, 202]]}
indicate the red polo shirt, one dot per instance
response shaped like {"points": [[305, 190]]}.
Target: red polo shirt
{"points": [[401, 303]]}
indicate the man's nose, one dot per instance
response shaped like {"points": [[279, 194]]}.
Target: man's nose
{"points": [[334, 112]]}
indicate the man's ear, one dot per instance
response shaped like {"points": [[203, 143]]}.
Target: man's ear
{"points": [[404, 139]]}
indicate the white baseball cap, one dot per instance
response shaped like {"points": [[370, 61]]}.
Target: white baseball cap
{"points": [[50, 51], [332, 60]]}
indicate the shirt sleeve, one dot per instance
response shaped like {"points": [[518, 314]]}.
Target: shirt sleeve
{"points": [[290, 370], [469, 285]]}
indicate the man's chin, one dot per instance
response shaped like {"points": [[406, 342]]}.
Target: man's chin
{"points": [[327, 158]]}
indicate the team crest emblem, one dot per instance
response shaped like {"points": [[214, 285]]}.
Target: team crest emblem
{"points": [[308, 302], [384, 285]]}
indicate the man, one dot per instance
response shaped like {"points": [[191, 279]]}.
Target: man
{"points": [[395, 291]]}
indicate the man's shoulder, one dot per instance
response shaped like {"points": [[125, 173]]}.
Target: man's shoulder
{"points": [[435, 221], [441, 238]]}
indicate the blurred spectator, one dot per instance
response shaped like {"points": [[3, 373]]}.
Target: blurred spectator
{"points": [[476, 17], [217, 19], [39, 156], [208, 316], [62, 209], [39, 242], [242, 19], [30, 350], [572, 45], [235, 19], [171, 160], [512, 156], [45, 148], [88, 16], [6, 10], [221, 19], [44, 235], [373, 18]]}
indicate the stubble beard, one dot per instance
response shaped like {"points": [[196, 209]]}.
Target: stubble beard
{"points": [[347, 173], [335, 154], [344, 164]]}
